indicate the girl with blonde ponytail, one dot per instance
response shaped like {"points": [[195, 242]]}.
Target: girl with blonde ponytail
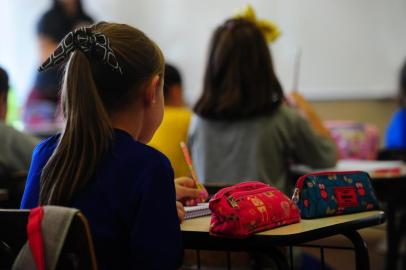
{"points": [[112, 100]]}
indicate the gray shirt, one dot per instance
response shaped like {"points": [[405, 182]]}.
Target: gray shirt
{"points": [[257, 149], [15, 148]]}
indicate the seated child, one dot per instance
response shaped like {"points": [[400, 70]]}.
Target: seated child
{"points": [[242, 129], [16, 147], [396, 131], [112, 100], [174, 127]]}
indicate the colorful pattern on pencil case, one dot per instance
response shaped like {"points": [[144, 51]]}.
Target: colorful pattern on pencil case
{"points": [[336, 193], [249, 207]]}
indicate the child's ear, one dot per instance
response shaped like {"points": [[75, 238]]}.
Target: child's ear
{"points": [[151, 93]]}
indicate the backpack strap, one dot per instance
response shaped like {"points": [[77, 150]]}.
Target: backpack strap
{"points": [[47, 229], [34, 234], [55, 226]]}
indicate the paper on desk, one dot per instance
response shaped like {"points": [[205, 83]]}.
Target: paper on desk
{"points": [[202, 209], [369, 166]]}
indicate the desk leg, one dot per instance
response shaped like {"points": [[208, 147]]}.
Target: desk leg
{"points": [[274, 256], [392, 237], [361, 250]]}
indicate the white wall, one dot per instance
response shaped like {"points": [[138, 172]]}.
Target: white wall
{"points": [[18, 45], [350, 49]]}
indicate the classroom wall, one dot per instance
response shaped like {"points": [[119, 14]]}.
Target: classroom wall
{"points": [[377, 111], [350, 49], [184, 40]]}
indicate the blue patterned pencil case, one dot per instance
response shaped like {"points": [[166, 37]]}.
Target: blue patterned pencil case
{"points": [[334, 193]]}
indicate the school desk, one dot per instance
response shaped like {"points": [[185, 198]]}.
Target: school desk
{"points": [[390, 188], [389, 182], [196, 234]]}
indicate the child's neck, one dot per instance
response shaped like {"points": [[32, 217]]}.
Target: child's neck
{"points": [[128, 121], [175, 103]]}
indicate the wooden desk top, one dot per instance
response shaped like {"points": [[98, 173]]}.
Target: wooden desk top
{"points": [[196, 232], [380, 170], [202, 224]]}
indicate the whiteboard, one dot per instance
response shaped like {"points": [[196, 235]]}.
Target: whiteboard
{"points": [[350, 49]]}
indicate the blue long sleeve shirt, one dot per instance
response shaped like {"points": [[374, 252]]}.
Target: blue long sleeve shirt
{"points": [[396, 131], [129, 203]]}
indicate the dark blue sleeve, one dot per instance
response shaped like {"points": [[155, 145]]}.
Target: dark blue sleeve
{"points": [[395, 133], [156, 241]]}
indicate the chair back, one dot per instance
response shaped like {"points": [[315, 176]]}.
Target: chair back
{"points": [[77, 250], [12, 186], [392, 154], [213, 187]]}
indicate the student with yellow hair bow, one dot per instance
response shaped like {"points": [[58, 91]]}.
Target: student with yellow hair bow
{"points": [[242, 128], [269, 29]]}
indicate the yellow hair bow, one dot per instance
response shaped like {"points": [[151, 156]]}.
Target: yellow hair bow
{"points": [[269, 29]]}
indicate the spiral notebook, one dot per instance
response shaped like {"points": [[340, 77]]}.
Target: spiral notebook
{"points": [[200, 210]]}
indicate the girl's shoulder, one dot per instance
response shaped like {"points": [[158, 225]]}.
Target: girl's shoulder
{"points": [[285, 115], [287, 112], [282, 111], [397, 122], [154, 155], [129, 150], [400, 113], [47, 146]]}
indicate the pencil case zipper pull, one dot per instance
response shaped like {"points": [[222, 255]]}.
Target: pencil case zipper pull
{"points": [[295, 196]]}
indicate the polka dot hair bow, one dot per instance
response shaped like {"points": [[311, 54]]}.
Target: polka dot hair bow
{"points": [[87, 41]]}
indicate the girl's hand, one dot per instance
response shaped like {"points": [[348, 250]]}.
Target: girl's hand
{"points": [[181, 211], [187, 192]]}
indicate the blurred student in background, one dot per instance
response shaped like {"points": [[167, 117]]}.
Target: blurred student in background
{"points": [[54, 24], [242, 129], [41, 108], [396, 131], [175, 124], [15, 147]]}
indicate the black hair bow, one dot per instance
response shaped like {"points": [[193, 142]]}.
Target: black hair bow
{"points": [[87, 41]]}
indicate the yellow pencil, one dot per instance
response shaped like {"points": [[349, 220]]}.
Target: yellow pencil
{"points": [[190, 165]]}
